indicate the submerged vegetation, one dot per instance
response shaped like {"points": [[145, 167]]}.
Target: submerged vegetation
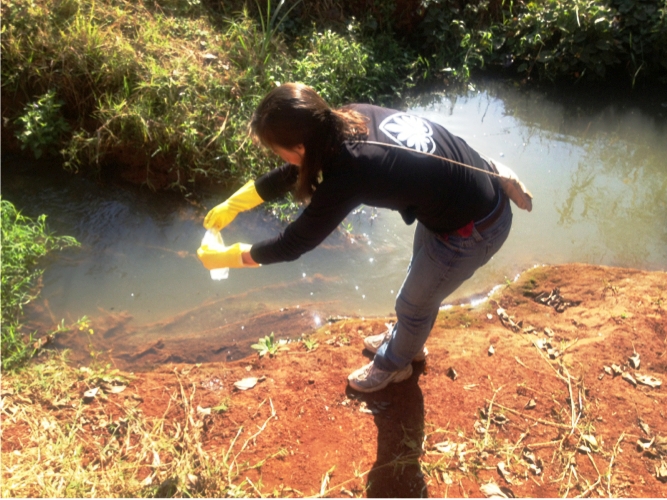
{"points": [[160, 91], [24, 242]]}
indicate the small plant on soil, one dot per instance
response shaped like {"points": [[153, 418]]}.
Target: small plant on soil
{"points": [[310, 344], [222, 407], [267, 345]]}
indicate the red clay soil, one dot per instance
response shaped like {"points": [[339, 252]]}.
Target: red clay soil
{"points": [[556, 422]]}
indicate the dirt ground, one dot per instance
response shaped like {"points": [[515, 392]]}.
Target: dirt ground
{"points": [[544, 413]]}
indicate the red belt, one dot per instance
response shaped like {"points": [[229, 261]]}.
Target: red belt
{"points": [[485, 222]]}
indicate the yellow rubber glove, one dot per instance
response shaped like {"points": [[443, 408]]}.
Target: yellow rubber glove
{"points": [[231, 256], [242, 200]]}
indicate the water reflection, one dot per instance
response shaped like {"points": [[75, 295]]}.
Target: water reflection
{"points": [[595, 168], [623, 190], [597, 171]]}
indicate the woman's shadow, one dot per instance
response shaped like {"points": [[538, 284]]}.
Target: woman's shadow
{"points": [[399, 416]]}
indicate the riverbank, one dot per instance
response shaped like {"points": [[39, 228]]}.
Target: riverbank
{"points": [[541, 414], [159, 93]]}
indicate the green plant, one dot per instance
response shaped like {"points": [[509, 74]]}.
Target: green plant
{"points": [[223, 406], [457, 39], [310, 344], [270, 26], [24, 242], [267, 345], [165, 89], [41, 124]]}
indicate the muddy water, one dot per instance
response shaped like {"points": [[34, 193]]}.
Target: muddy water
{"points": [[597, 171]]}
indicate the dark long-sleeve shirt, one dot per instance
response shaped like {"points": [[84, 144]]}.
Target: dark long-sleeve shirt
{"points": [[441, 195]]}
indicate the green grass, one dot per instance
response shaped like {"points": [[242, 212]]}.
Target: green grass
{"points": [[163, 88], [107, 447], [161, 91], [24, 242]]}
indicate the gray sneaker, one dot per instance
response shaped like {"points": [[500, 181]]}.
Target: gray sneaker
{"points": [[374, 342], [369, 378]]}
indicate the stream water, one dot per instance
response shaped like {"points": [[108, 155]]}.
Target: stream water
{"points": [[598, 173]]}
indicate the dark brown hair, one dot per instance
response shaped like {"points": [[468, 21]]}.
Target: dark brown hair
{"points": [[294, 114]]}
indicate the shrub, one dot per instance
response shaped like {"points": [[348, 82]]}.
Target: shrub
{"points": [[41, 125], [24, 242]]}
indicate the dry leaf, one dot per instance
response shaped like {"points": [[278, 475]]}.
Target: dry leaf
{"points": [[507, 321], [499, 419], [529, 456], [661, 473], [648, 380], [246, 383], [502, 470], [90, 394], [644, 444], [479, 427], [492, 490], [444, 447], [363, 408], [451, 373], [644, 427], [590, 440], [203, 411], [626, 376]]}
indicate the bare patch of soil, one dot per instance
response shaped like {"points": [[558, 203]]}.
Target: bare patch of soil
{"points": [[540, 415]]}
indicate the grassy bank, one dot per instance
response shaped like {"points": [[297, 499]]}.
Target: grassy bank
{"points": [[24, 242], [160, 92], [103, 444], [560, 407]]}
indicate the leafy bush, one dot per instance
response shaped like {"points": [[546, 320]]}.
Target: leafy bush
{"points": [[547, 39], [161, 91], [456, 40], [24, 242], [41, 124], [569, 37], [350, 67]]}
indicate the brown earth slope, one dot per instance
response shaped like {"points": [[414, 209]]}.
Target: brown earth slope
{"points": [[541, 414]]}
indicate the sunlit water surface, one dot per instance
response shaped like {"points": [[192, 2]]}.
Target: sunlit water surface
{"points": [[598, 176]]}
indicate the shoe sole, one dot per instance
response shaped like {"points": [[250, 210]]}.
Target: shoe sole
{"points": [[398, 378], [417, 359]]}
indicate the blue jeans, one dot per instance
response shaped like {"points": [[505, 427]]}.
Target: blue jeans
{"points": [[439, 266]]}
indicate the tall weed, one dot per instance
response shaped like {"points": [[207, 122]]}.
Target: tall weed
{"points": [[24, 242]]}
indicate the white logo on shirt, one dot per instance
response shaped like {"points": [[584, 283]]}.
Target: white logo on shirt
{"points": [[409, 131]]}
